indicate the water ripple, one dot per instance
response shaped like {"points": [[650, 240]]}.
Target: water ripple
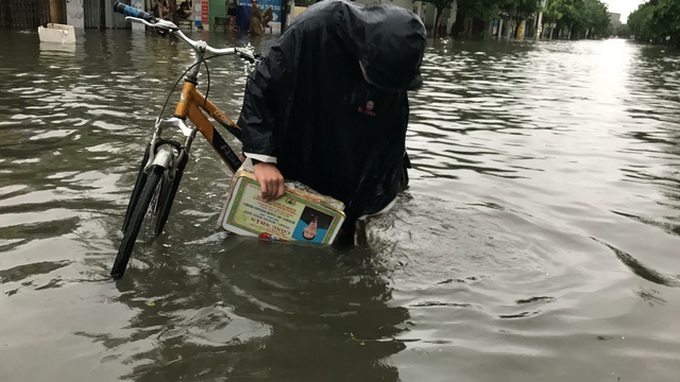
{"points": [[538, 237]]}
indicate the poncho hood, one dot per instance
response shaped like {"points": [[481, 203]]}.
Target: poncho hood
{"points": [[389, 41]]}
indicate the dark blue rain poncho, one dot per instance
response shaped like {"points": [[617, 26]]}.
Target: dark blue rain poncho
{"points": [[308, 105]]}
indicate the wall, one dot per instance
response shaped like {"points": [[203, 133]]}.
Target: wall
{"points": [[216, 8], [139, 4], [295, 12], [115, 21], [75, 13]]}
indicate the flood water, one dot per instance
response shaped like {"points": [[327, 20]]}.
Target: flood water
{"points": [[538, 240]]}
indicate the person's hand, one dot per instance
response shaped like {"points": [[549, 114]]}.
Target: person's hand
{"points": [[270, 179]]}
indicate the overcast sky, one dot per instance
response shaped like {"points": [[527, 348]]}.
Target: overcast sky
{"points": [[624, 7]]}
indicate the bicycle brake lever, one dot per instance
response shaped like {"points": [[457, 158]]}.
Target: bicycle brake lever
{"points": [[245, 54], [163, 27]]}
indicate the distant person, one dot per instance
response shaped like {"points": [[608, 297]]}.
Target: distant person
{"points": [[155, 9], [256, 28], [328, 106], [232, 7], [183, 11], [161, 10], [267, 16], [259, 21]]}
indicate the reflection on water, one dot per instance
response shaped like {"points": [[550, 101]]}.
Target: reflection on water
{"points": [[55, 47], [537, 240], [252, 315]]}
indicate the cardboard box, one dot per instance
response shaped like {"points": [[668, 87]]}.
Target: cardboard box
{"points": [[300, 214]]}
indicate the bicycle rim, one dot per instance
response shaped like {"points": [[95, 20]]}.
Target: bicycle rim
{"points": [[153, 211], [138, 215]]}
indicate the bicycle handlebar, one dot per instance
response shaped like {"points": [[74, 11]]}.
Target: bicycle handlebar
{"points": [[136, 15], [127, 10]]}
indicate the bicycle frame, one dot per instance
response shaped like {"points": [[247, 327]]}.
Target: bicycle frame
{"points": [[191, 104]]}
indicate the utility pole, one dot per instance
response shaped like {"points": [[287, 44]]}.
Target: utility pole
{"points": [[434, 24], [511, 22], [539, 22], [58, 11]]}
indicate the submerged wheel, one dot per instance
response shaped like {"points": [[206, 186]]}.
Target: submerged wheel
{"points": [[137, 190], [145, 208], [168, 194]]}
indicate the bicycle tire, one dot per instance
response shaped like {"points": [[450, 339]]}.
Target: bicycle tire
{"points": [[139, 212], [169, 196], [139, 184], [147, 231]]}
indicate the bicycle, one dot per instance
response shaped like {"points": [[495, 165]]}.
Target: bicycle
{"points": [[164, 160]]}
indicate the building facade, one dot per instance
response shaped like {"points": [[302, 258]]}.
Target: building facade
{"points": [[206, 14]]}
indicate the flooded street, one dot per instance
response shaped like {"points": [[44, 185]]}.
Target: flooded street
{"points": [[538, 240]]}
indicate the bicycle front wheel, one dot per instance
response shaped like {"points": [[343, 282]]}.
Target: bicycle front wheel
{"points": [[169, 192], [145, 207], [139, 184]]}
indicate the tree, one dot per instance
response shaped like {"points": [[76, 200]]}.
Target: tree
{"points": [[640, 22], [596, 19], [667, 17], [440, 5], [622, 30], [589, 18], [657, 21], [478, 12], [518, 10]]}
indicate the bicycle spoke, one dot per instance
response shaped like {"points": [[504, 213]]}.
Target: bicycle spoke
{"points": [[151, 215]]}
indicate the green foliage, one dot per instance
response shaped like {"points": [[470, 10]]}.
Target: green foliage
{"points": [[658, 21], [589, 17], [622, 30], [440, 4], [486, 10], [640, 22], [525, 8], [583, 17]]}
